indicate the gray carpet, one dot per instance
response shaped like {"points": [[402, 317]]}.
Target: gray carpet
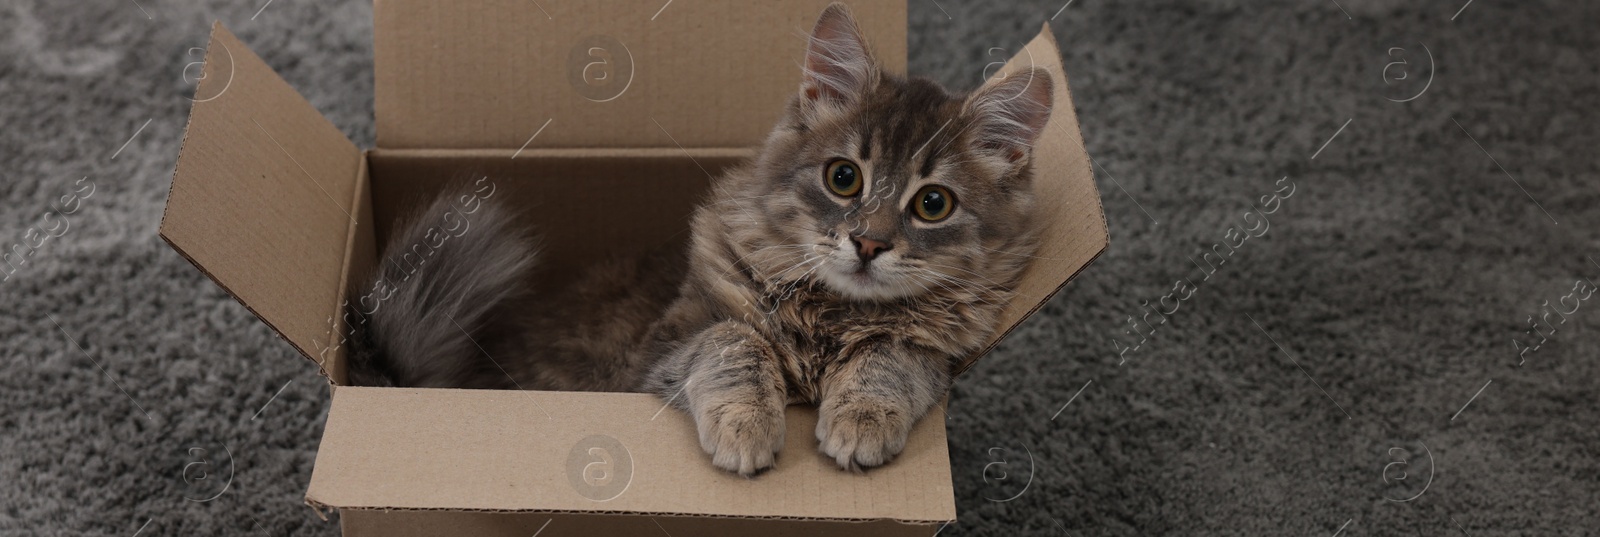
{"points": [[1372, 323]]}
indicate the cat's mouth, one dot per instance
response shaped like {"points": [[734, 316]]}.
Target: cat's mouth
{"points": [[881, 279], [863, 274], [863, 281]]}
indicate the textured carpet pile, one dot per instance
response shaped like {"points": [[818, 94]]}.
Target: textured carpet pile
{"points": [[1444, 162]]}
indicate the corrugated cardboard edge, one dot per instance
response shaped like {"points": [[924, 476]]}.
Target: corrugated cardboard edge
{"points": [[1050, 39], [570, 152], [358, 245], [217, 30], [274, 87], [320, 371], [216, 26], [318, 507]]}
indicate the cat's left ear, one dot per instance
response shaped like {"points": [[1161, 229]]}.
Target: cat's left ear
{"points": [[838, 70], [1009, 113]]}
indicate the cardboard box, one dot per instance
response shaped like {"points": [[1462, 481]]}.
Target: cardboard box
{"points": [[573, 110]]}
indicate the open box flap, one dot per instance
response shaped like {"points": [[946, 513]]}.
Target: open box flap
{"points": [[1064, 183], [496, 74], [263, 194], [516, 451]]}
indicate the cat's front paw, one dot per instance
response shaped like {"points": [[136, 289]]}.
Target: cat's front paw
{"points": [[862, 434], [742, 438]]}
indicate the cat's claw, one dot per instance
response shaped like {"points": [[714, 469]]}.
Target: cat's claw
{"points": [[742, 438], [861, 436]]}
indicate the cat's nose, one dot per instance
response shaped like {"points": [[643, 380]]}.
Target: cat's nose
{"points": [[869, 249]]}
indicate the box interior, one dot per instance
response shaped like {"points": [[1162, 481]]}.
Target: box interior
{"points": [[584, 205]]}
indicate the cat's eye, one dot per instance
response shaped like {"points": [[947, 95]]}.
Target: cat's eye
{"points": [[933, 203], [843, 178]]}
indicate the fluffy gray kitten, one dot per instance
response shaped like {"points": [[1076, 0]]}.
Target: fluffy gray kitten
{"points": [[867, 248]]}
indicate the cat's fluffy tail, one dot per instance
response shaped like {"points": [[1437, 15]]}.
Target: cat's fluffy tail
{"points": [[447, 299]]}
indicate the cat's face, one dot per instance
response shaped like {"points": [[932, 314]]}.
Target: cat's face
{"points": [[883, 188]]}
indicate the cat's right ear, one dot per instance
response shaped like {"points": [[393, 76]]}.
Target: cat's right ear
{"points": [[838, 70], [1010, 112]]}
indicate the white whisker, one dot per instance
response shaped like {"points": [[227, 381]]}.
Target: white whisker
{"points": [[731, 200], [763, 249], [970, 290], [996, 284], [960, 289], [1016, 254]]}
